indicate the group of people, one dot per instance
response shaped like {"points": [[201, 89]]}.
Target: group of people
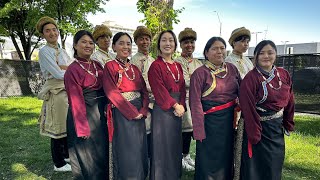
{"points": [[112, 116]]}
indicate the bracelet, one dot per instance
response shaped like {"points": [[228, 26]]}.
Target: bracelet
{"points": [[175, 105]]}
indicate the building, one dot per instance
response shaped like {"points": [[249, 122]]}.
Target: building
{"points": [[8, 50], [301, 48], [115, 28]]}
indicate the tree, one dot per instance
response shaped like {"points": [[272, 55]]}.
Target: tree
{"points": [[71, 14], [159, 15], [19, 17], [17, 20]]}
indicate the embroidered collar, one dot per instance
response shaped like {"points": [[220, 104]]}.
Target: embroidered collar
{"points": [[144, 53], [187, 57], [54, 46], [240, 56], [104, 52], [266, 72], [124, 62]]}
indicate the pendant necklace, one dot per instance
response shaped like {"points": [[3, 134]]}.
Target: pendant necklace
{"points": [[87, 70]]}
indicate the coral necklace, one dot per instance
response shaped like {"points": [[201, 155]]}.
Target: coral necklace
{"points": [[174, 77], [88, 70]]}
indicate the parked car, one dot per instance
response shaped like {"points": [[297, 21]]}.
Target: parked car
{"points": [[307, 80]]}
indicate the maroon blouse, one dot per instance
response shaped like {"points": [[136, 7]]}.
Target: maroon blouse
{"points": [[251, 92], [113, 92], [76, 79], [162, 83], [227, 89]]}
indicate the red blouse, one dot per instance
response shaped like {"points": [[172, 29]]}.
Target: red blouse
{"points": [[76, 79], [251, 92], [113, 92], [227, 89], [162, 83]]}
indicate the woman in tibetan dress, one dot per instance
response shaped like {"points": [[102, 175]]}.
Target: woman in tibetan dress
{"points": [[86, 124], [267, 105], [126, 90], [214, 89], [168, 87]]}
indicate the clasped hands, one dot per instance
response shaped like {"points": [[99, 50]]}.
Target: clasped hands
{"points": [[178, 110]]}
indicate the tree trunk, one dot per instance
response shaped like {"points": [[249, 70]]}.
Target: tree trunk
{"points": [[16, 46], [63, 39]]}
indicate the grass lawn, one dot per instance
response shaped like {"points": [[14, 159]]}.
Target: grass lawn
{"points": [[24, 154]]}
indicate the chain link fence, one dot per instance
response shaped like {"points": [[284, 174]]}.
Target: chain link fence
{"points": [[305, 72], [18, 78]]}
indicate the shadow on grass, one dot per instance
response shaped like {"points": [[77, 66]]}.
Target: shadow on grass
{"points": [[294, 172], [308, 127], [25, 154]]}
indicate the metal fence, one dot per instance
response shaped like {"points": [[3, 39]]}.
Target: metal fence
{"points": [[305, 73], [19, 78]]}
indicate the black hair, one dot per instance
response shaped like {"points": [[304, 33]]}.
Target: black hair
{"points": [[262, 44], [174, 38], [77, 37], [47, 24], [209, 44], [117, 36], [241, 38]]}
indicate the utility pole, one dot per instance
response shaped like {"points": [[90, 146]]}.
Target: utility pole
{"points": [[256, 33], [284, 52], [220, 23]]}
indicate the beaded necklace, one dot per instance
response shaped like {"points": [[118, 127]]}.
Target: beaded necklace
{"points": [[174, 77], [269, 80], [88, 70], [127, 66], [189, 59]]}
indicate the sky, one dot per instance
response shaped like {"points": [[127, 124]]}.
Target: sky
{"points": [[295, 21]]}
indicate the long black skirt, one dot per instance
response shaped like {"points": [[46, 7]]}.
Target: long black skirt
{"points": [[214, 155], [129, 146], [267, 156], [166, 144], [89, 157]]}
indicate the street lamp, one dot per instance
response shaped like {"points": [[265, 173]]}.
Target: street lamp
{"points": [[284, 52], [219, 21], [284, 47], [256, 33]]}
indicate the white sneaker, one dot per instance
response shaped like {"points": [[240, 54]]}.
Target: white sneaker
{"points": [[64, 168], [67, 160], [189, 160], [186, 166]]}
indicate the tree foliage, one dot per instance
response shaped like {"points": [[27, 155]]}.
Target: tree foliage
{"points": [[159, 15], [19, 17], [71, 14], [17, 21]]}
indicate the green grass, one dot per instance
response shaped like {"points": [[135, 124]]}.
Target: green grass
{"points": [[24, 154]]}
